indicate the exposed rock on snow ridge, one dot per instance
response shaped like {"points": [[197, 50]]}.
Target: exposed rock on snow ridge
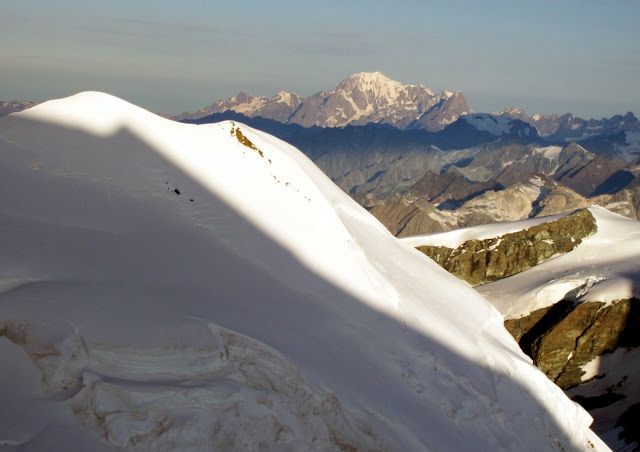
{"points": [[482, 261], [576, 314]]}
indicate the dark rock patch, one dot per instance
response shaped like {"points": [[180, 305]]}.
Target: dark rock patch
{"points": [[560, 339], [629, 422]]}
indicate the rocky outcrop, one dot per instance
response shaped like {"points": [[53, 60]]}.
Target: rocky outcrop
{"points": [[588, 347], [482, 261], [565, 339], [565, 336]]}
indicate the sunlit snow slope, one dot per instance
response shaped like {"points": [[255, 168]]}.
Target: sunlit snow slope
{"points": [[604, 267], [576, 314], [172, 286]]}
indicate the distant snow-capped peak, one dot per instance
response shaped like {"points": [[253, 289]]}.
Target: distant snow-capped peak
{"points": [[378, 84], [361, 98], [287, 98], [512, 111]]}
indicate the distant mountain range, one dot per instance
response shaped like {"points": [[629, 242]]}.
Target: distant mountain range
{"points": [[476, 170], [423, 161], [570, 128], [363, 98], [421, 211], [372, 97], [380, 159]]}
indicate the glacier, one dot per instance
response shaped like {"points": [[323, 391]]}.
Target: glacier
{"points": [[172, 286]]}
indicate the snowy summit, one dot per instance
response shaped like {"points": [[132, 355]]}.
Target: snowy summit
{"points": [[167, 285]]}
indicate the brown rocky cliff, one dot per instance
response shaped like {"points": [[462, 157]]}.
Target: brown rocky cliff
{"points": [[482, 261], [562, 338]]}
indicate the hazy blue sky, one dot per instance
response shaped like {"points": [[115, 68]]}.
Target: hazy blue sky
{"points": [[546, 56]]}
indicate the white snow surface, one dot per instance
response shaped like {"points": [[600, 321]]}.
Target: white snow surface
{"points": [[163, 286], [455, 238], [284, 97], [604, 267]]}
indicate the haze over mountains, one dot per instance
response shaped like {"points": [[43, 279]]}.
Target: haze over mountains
{"points": [[381, 141], [372, 97], [418, 177], [567, 127], [364, 97]]}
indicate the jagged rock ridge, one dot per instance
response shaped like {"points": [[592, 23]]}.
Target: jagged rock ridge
{"points": [[482, 261], [562, 338]]}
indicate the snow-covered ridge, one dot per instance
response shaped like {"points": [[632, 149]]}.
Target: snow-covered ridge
{"points": [[455, 238], [105, 115], [94, 112], [207, 286], [578, 308], [604, 267]]}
